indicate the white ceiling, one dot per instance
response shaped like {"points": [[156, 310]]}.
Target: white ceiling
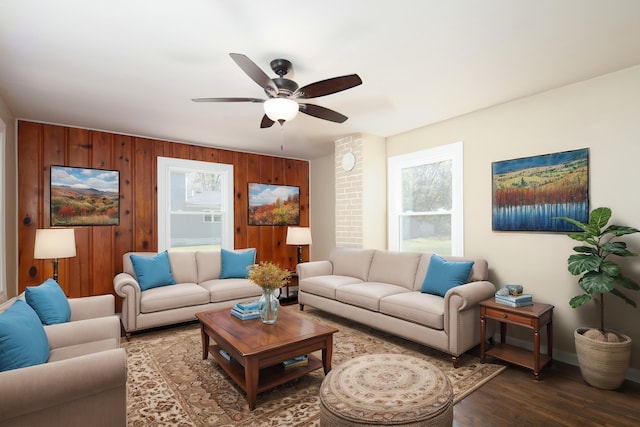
{"points": [[132, 66]]}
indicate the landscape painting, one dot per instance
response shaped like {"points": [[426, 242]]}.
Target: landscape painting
{"points": [[530, 193], [81, 196], [274, 204]]}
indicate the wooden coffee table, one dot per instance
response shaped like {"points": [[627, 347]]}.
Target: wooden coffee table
{"points": [[258, 350]]}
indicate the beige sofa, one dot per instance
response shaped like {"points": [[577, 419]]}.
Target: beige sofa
{"points": [[83, 383], [382, 289], [198, 288]]}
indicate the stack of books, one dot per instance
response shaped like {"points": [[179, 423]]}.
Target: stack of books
{"points": [[225, 355], [521, 300], [246, 310], [296, 361]]}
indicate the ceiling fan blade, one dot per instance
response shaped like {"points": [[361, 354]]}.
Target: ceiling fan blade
{"points": [[256, 73], [327, 87], [227, 100], [266, 122], [322, 113]]}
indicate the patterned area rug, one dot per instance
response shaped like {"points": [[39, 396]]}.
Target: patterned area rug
{"points": [[170, 384]]}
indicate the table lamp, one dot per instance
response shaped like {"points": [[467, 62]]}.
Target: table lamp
{"points": [[55, 243], [300, 236]]}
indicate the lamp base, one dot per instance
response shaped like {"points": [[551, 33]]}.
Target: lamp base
{"points": [[55, 269], [300, 254]]}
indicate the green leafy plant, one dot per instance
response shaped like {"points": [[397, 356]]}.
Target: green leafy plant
{"points": [[599, 274]]}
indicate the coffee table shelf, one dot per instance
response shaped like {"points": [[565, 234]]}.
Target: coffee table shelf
{"points": [[270, 376]]}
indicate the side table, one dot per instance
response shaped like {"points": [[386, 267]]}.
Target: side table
{"points": [[533, 317], [285, 297]]}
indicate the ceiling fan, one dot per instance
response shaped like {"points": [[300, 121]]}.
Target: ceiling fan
{"points": [[283, 94]]}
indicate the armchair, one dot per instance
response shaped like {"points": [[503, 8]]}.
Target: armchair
{"points": [[84, 380]]}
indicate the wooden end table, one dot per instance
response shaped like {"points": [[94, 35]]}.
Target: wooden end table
{"points": [[257, 350], [533, 317], [293, 283]]}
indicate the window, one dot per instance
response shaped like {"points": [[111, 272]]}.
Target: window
{"points": [[195, 204], [425, 201]]}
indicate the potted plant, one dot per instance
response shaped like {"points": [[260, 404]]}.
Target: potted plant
{"points": [[603, 355], [269, 277]]}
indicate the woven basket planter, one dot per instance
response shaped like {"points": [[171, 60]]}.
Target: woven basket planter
{"points": [[602, 364]]}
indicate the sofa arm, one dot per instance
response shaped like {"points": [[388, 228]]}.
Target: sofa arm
{"points": [[314, 268], [470, 294], [462, 298], [83, 331], [462, 314], [128, 288], [90, 307], [43, 387]]}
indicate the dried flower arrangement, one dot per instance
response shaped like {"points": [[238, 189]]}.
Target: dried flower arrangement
{"points": [[268, 275]]}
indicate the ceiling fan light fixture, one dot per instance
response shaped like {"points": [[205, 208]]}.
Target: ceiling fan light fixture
{"points": [[278, 109]]}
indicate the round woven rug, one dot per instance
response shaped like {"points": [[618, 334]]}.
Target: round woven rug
{"points": [[386, 389]]}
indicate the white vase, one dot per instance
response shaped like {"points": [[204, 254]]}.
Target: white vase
{"points": [[268, 306]]}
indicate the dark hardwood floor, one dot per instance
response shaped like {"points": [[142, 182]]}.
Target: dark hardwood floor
{"points": [[560, 398]]}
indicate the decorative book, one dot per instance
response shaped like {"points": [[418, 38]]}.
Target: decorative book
{"points": [[515, 298], [296, 361], [245, 315], [515, 301], [247, 305], [514, 304], [224, 354]]}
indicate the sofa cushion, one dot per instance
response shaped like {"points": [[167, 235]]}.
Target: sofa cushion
{"points": [[175, 296], [325, 286], [49, 302], [76, 350], [423, 309], [23, 341], [235, 264], [479, 271], [351, 262], [209, 264], [184, 268], [229, 289], [397, 268], [443, 275], [367, 295], [153, 272]]}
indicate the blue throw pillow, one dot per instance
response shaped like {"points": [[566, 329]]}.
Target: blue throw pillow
{"points": [[153, 272], [443, 275], [236, 264], [49, 301], [23, 341]]}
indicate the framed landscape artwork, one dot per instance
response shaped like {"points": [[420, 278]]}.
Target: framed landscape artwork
{"points": [[82, 196], [529, 193], [274, 204]]}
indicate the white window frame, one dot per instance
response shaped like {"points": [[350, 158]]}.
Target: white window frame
{"points": [[3, 210], [452, 152], [165, 166]]}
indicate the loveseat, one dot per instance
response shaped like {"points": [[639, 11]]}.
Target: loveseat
{"points": [[84, 380], [200, 280], [387, 291]]}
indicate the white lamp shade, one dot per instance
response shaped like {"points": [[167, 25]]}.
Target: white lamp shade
{"points": [[55, 243], [298, 236], [280, 109]]}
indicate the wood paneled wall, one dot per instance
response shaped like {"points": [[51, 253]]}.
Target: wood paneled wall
{"points": [[100, 248]]}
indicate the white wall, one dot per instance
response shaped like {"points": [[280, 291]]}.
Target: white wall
{"points": [[374, 173], [322, 207], [602, 114], [8, 240]]}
